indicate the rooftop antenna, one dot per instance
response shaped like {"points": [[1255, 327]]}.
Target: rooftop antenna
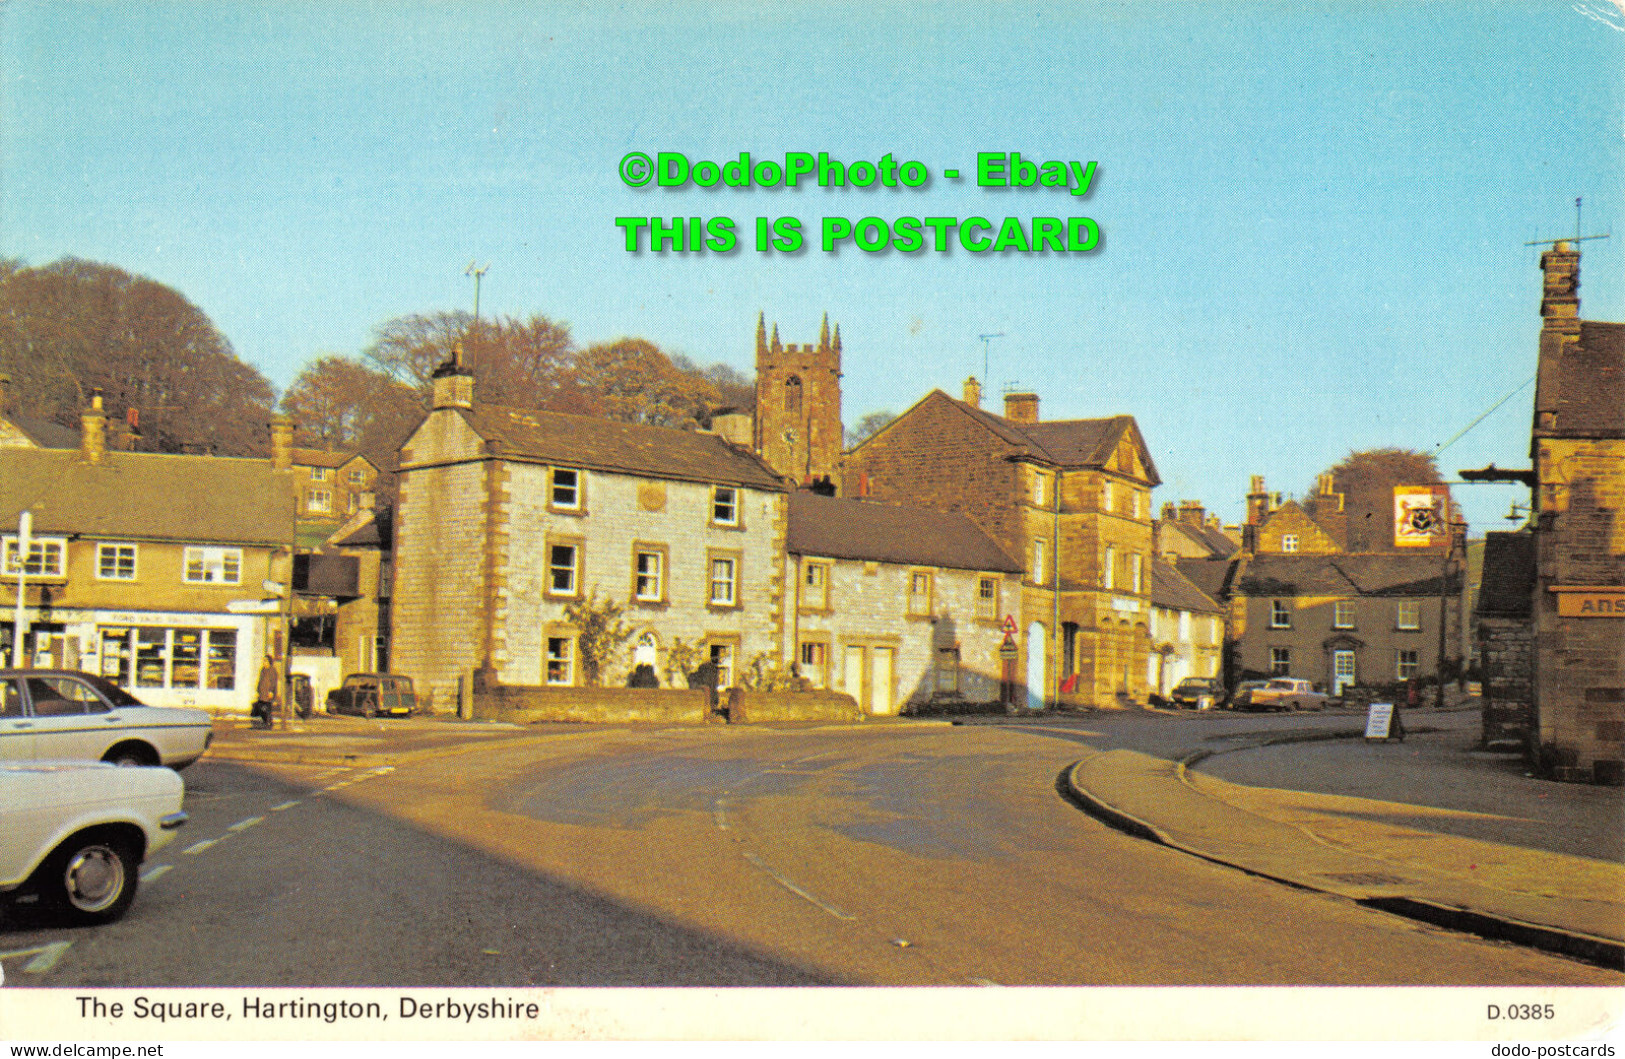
{"points": [[477, 271], [1578, 238], [986, 339]]}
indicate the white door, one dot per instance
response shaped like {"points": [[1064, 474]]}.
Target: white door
{"points": [[1342, 670], [880, 678], [854, 674], [1037, 643]]}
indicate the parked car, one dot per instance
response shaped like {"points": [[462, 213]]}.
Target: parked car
{"points": [[73, 834], [59, 714], [1242, 697], [1199, 693], [374, 695], [1286, 693]]}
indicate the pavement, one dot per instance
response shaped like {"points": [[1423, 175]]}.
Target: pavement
{"points": [[1399, 856]]}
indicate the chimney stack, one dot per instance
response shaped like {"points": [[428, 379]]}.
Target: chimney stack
{"points": [[282, 444], [93, 430], [1560, 294], [973, 392], [453, 382], [1021, 407], [1192, 513]]}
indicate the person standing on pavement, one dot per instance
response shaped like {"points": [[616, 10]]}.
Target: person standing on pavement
{"points": [[265, 694]]}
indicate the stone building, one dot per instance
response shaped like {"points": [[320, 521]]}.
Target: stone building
{"points": [[897, 606], [166, 574], [1504, 629], [1578, 450], [797, 428], [1187, 630], [1070, 499], [506, 517]]}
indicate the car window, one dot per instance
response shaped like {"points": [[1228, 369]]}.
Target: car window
{"points": [[63, 696], [11, 699]]}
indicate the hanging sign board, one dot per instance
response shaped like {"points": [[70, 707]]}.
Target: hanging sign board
{"points": [[1379, 720]]}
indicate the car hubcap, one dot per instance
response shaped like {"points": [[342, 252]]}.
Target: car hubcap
{"points": [[95, 878]]}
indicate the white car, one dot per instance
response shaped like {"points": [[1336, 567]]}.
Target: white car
{"points": [[55, 714], [73, 834]]}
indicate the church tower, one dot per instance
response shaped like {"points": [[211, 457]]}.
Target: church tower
{"points": [[798, 404]]}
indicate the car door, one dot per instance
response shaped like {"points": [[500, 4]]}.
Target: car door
{"points": [[16, 727], [70, 719]]}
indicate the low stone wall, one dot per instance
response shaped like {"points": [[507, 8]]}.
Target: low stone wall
{"points": [[529, 705], [751, 706]]}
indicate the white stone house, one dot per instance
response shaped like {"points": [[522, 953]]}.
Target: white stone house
{"points": [[507, 516], [1187, 630], [895, 605]]}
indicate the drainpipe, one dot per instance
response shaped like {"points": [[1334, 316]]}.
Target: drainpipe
{"points": [[1055, 587]]}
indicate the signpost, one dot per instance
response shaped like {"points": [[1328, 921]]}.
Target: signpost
{"points": [[25, 529]]}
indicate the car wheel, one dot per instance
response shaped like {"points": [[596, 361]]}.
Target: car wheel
{"points": [[130, 756], [91, 878]]}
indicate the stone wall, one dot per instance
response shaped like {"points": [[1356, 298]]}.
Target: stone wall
{"points": [[1507, 664], [745, 706], [530, 705]]}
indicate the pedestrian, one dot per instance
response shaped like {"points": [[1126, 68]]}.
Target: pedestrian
{"points": [[265, 694]]}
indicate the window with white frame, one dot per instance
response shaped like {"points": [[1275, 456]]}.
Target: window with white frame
{"points": [[1038, 490], [650, 578], [115, 562], [1408, 614], [318, 474], [560, 660], [1280, 662], [722, 656], [1406, 665], [815, 663], [1039, 550], [563, 564], [725, 505], [1137, 562], [948, 670], [213, 566], [1106, 497], [319, 501], [1343, 614], [724, 581], [814, 586], [358, 476], [1108, 570], [47, 557], [919, 592], [1289, 542], [987, 598], [564, 491], [1280, 614]]}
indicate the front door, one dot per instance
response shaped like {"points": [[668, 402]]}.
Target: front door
{"points": [[1036, 657], [1342, 670], [854, 675], [880, 680]]}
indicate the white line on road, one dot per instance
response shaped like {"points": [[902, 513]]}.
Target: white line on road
{"points": [[200, 846], [244, 825], [798, 891], [284, 805], [157, 871], [719, 814], [45, 957]]}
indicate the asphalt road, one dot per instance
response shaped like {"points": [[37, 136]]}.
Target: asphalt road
{"points": [[724, 856]]}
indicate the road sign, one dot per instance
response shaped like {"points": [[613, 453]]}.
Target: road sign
{"points": [[1379, 720], [1009, 625]]}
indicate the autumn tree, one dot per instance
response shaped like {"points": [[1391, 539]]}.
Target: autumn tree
{"points": [[601, 632], [341, 404], [73, 326], [868, 427], [1367, 480]]}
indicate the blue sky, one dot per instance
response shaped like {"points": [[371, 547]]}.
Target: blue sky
{"points": [[1313, 216]]}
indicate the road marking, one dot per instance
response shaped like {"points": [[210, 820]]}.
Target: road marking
{"points": [[284, 805], [157, 871], [719, 814], [201, 846], [244, 825], [798, 891], [986, 982], [45, 956]]}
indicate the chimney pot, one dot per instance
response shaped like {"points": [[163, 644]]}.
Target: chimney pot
{"points": [[973, 392], [93, 430]]}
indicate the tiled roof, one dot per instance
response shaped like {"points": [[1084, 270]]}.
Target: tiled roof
{"points": [[147, 496], [1212, 539], [44, 432], [1507, 588], [1365, 574], [859, 529], [1066, 442], [1174, 591], [629, 448]]}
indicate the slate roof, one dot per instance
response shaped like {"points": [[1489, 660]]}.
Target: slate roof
{"points": [[1172, 590], [44, 432], [147, 496], [1065, 442], [1213, 577], [835, 528], [323, 458], [1507, 588], [1209, 537], [1587, 384], [1365, 574], [628, 448]]}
